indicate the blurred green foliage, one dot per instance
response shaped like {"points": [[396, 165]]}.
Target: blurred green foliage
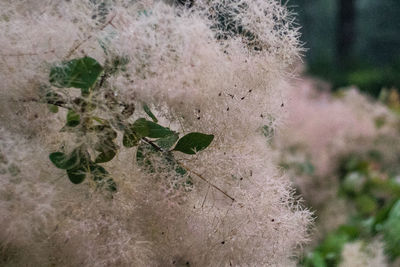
{"points": [[297, 160], [367, 77], [375, 57], [375, 196]]}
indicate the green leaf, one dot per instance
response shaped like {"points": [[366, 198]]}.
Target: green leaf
{"points": [[172, 164], [111, 185], [77, 175], [130, 138], [99, 175], [78, 73], [149, 158], [105, 132], [75, 163], [391, 232], [315, 259], [148, 112], [382, 215], [145, 128], [63, 161], [76, 159], [52, 108], [366, 204], [73, 118], [144, 154], [167, 142], [105, 156], [140, 127], [193, 143], [107, 149], [98, 172], [352, 231]]}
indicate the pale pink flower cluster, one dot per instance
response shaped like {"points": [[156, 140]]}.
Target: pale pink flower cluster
{"points": [[193, 82]]}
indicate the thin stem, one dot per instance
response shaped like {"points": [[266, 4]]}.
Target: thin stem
{"points": [[188, 169], [153, 144], [56, 103], [204, 179]]}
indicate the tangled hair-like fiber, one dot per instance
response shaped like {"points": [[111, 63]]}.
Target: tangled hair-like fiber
{"points": [[218, 67]]}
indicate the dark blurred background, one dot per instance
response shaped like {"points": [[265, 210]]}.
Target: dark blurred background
{"points": [[352, 42]]}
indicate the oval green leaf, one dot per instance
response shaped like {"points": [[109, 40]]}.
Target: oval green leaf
{"points": [[99, 175], [78, 73], [98, 172], [148, 112], [145, 128], [193, 143], [76, 175], [105, 132], [107, 149], [73, 118], [144, 154], [167, 142], [130, 138], [105, 156], [63, 161]]}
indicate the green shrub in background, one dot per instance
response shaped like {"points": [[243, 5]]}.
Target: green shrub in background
{"points": [[375, 196], [368, 78], [374, 61]]}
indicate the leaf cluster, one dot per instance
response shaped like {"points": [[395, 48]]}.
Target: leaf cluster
{"points": [[150, 138]]}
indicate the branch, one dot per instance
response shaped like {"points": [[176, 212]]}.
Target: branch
{"points": [[205, 180], [56, 102], [153, 144]]}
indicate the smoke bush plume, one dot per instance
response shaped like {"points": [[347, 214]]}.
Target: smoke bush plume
{"points": [[218, 67]]}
